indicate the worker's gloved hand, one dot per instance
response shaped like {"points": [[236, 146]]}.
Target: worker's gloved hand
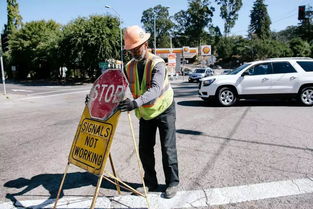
{"points": [[127, 105]]}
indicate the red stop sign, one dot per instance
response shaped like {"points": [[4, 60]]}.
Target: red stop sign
{"points": [[106, 93]]}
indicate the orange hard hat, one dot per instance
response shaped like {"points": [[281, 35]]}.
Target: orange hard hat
{"points": [[134, 36]]}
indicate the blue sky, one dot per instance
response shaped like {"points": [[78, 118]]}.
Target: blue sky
{"points": [[283, 13]]}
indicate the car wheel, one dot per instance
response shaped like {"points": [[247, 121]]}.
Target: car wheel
{"points": [[306, 96], [227, 96]]}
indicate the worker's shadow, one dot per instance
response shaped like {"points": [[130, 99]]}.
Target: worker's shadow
{"points": [[51, 183]]}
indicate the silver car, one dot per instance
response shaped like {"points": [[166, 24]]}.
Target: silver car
{"points": [[200, 73]]}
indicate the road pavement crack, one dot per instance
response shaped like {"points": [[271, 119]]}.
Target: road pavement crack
{"points": [[206, 198], [311, 179], [296, 186], [212, 161]]}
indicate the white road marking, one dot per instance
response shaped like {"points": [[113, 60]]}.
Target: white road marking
{"points": [[57, 91], [53, 95], [23, 90], [183, 199]]}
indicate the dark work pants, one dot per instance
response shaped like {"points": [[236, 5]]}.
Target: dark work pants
{"points": [[147, 135]]}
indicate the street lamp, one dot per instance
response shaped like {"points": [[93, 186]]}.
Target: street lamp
{"points": [[119, 18]]}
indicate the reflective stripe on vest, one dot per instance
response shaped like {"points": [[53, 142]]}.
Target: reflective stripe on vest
{"points": [[157, 106], [132, 76]]}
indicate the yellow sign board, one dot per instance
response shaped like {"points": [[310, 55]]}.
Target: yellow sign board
{"points": [[91, 146]]}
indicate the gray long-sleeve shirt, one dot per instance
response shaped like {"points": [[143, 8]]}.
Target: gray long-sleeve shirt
{"points": [[158, 73]]}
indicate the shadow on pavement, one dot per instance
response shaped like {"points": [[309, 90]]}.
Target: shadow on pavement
{"points": [[193, 103], [190, 132], [268, 102], [244, 103], [51, 183], [229, 138]]}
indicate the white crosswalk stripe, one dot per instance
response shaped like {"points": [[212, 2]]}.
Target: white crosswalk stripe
{"points": [[183, 199]]}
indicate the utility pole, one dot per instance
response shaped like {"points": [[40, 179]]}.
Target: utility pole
{"points": [[171, 43], [154, 34], [2, 69], [121, 39]]}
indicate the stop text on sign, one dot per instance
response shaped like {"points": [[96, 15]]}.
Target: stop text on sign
{"points": [[107, 93]]}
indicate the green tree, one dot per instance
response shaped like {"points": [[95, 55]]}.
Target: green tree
{"points": [[233, 50], [300, 48], [194, 22], [260, 21], [88, 41], [311, 46], [199, 18], [14, 17], [241, 46], [225, 48], [14, 22], [262, 49], [229, 12], [33, 49], [163, 25], [287, 34], [181, 19]]}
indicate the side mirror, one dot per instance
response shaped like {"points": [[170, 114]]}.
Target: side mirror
{"points": [[245, 73]]}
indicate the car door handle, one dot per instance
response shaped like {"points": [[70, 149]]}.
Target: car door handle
{"points": [[292, 78], [264, 79]]}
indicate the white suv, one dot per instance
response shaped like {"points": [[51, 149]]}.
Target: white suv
{"points": [[272, 77]]}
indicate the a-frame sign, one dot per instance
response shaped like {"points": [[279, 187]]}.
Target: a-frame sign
{"points": [[94, 136]]}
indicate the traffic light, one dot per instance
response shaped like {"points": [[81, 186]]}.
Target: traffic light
{"points": [[301, 13]]}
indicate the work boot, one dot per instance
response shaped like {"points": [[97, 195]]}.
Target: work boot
{"points": [[170, 192], [149, 188]]}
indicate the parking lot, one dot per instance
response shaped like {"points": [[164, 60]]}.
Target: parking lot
{"points": [[256, 154]]}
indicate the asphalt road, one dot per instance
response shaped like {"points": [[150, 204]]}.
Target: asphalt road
{"points": [[249, 144]]}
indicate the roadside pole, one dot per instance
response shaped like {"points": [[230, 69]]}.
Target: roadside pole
{"points": [[2, 69], [2, 72]]}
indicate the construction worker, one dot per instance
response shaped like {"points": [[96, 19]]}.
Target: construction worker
{"points": [[154, 107]]}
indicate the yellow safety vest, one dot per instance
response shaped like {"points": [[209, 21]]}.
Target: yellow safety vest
{"points": [[157, 106]]}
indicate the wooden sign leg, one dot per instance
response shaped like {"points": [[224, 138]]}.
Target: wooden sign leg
{"points": [[61, 185], [94, 199], [138, 159], [114, 173]]}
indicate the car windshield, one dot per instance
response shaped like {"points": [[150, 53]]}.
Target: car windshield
{"points": [[238, 69], [199, 70]]}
